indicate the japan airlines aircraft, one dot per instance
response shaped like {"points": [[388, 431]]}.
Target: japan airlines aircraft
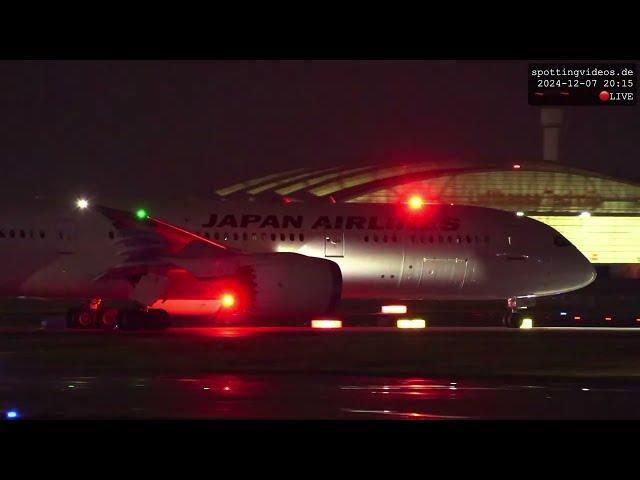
{"points": [[277, 259]]}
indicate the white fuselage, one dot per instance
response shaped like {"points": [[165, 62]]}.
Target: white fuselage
{"points": [[384, 251]]}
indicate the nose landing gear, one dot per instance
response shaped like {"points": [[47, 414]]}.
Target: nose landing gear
{"points": [[513, 317]]}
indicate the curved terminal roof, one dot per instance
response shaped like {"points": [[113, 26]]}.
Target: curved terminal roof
{"points": [[528, 186]]}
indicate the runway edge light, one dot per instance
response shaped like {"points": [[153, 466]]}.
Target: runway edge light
{"points": [[326, 323], [411, 323], [394, 309], [527, 323]]}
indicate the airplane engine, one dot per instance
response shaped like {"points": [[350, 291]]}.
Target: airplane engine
{"points": [[289, 284]]}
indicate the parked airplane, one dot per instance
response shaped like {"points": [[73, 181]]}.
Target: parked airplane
{"points": [[287, 259]]}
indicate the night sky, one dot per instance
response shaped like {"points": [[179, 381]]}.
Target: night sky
{"points": [[176, 128]]}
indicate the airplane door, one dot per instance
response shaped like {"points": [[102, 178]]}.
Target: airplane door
{"points": [[412, 271], [66, 237], [334, 244], [444, 272]]}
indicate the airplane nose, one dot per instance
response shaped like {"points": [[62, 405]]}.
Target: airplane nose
{"points": [[585, 273]]}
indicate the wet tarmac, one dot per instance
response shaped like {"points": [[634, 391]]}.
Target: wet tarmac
{"points": [[282, 396], [300, 373]]}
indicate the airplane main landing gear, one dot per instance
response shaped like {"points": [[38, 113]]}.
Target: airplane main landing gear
{"points": [[112, 318], [512, 319]]}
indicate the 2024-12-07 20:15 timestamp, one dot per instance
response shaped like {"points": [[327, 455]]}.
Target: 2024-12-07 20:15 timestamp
{"points": [[582, 84]]}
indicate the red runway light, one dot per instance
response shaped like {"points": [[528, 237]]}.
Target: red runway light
{"points": [[577, 318], [608, 318], [228, 300], [516, 167]]}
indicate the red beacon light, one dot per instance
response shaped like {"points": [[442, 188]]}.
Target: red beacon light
{"points": [[415, 202], [516, 166], [228, 300]]}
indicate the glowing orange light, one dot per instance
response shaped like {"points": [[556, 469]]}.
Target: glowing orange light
{"points": [[394, 309], [413, 323], [415, 202], [228, 300], [326, 324]]}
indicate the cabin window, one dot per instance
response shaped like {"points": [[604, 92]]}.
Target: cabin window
{"points": [[301, 237], [245, 236]]}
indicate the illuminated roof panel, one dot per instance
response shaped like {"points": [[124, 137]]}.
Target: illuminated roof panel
{"points": [[316, 180], [256, 181], [287, 181]]}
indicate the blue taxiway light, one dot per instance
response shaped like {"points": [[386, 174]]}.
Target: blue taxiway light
{"points": [[12, 414]]}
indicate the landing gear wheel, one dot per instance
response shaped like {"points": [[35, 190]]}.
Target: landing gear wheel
{"points": [[81, 318], [512, 320], [108, 318]]}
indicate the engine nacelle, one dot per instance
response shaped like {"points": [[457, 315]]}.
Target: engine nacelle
{"points": [[290, 284]]}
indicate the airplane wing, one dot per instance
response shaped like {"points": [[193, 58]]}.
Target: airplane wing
{"points": [[150, 245]]}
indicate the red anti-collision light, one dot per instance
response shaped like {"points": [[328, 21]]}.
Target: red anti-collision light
{"points": [[228, 300], [415, 202]]}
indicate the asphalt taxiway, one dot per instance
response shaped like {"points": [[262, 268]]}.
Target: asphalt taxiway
{"points": [[286, 372]]}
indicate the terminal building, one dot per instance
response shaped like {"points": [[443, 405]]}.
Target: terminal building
{"points": [[597, 213]]}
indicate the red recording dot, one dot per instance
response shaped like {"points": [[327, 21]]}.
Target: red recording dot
{"points": [[604, 96]]}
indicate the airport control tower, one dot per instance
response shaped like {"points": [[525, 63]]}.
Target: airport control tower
{"points": [[551, 121]]}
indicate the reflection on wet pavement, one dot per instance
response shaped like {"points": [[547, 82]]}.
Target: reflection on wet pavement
{"points": [[280, 396]]}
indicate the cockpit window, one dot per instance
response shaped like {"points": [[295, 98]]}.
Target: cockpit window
{"points": [[560, 241]]}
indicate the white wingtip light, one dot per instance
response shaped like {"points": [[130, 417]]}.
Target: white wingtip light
{"points": [[82, 203]]}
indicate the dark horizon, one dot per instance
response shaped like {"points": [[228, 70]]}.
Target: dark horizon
{"points": [[135, 129]]}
